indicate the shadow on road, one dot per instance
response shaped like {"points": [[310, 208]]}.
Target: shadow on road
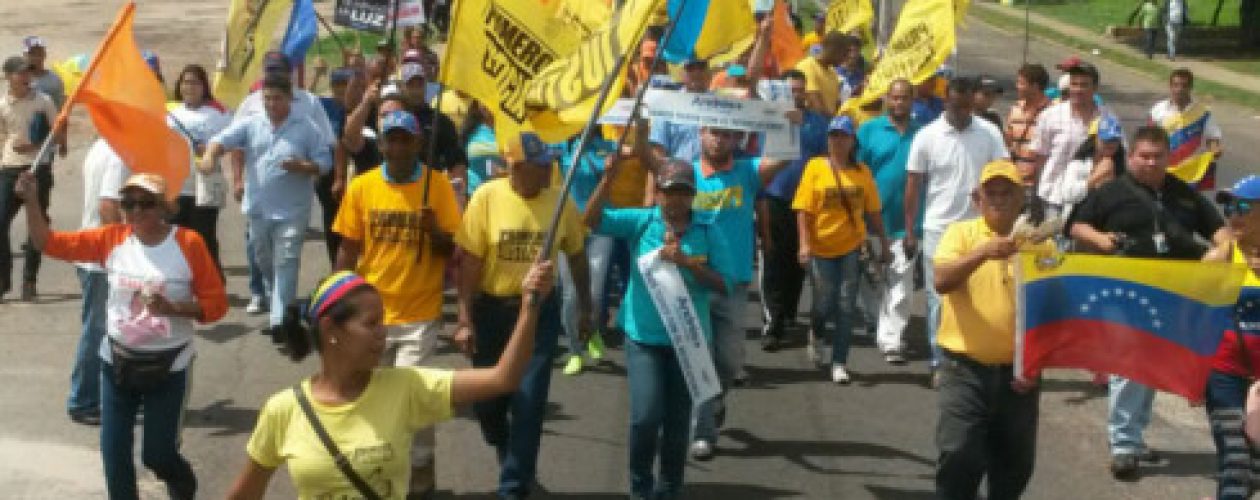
{"points": [[890, 493], [724, 491], [748, 445], [1194, 464], [228, 420], [224, 332]]}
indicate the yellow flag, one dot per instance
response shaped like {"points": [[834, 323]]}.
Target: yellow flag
{"points": [[497, 47], [564, 94], [251, 26], [729, 23], [1192, 170], [960, 11], [850, 16], [920, 43]]}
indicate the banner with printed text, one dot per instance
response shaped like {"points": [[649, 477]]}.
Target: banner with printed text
{"points": [[669, 294], [563, 95], [764, 116], [921, 42], [497, 47], [251, 26], [849, 16]]}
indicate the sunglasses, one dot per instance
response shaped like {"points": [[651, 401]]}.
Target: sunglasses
{"points": [[129, 204], [1236, 208]]}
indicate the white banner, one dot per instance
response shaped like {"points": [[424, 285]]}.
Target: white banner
{"points": [[669, 294], [708, 110], [619, 113]]}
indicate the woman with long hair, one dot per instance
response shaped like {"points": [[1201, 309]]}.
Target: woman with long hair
{"points": [[198, 116], [367, 412]]}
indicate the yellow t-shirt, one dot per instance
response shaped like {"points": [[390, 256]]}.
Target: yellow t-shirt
{"points": [[821, 79], [385, 217], [978, 319], [836, 231], [374, 432], [451, 104], [628, 188], [507, 231]]}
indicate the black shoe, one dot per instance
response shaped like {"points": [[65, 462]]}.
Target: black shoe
{"points": [[28, 291], [1124, 466], [770, 343], [86, 418], [1149, 456]]}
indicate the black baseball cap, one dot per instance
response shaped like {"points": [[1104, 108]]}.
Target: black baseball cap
{"points": [[1084, 68], [677, 174]]}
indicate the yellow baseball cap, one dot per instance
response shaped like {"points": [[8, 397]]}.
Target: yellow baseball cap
{"points": [[1003, 169]]}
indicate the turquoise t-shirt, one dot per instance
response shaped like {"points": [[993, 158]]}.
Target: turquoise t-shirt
{"points": [[885, 151], [483, 152], [590, 167], [643, 229], [726, 200]]}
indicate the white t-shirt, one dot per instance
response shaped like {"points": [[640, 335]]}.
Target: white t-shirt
{"points": [[200, 124], [951, 160], [1059, 134], [134, 270], [305, 105], [103, 177]]}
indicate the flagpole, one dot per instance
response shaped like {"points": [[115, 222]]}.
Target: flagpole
{"points": [[643, 86], [393, 30], [332, 33]]}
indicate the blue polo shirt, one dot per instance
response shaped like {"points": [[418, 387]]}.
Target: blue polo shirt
{"points": [[925, 111], [680, 141], [271, 192], [644, 231], [885, 150], [726, 200], [813, 143]]}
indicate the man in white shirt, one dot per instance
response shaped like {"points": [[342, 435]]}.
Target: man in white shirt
{"points": [[1062, 129], [946, 157], [103, 175], [1190, 125]]}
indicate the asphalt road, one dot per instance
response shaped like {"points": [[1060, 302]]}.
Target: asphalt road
{"points": [[790, 433]]}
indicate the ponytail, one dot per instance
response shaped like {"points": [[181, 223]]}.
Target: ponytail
{"points": [[299, 330], [297, 334]]}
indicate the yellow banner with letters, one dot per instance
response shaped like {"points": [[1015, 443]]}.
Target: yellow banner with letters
{"points": [[251, 26], [921, 42], [496, 47], [850, 16], [563, 95]]}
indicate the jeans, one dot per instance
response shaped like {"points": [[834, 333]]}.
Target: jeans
{"points": [[660, 410], [835, 283], [277, 247], [11, 205], [163, 419], [1172, 31], [727, 314], [203, 220], [1129, 412], [1148, 41], [599, 251], [515, 439], [328, 206], [781, 274], [1235, 456], [85, 377], [894, 310], [256, 286], [929, 243], [984, 430]]}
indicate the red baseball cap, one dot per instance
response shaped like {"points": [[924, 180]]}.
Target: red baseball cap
{"points": [[1068, 63]]}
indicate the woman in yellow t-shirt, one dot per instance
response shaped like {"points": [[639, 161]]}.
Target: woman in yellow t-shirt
{"points": [[835, 203], [369, 412]]}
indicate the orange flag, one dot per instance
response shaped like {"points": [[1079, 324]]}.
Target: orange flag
{"points": [[785, 43], [128, 107]]}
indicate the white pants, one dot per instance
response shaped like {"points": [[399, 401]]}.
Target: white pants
{"points": [[411, 344], [894, 311]]}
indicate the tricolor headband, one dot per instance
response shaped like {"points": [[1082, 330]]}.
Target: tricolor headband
{"points": [[332, 290]]}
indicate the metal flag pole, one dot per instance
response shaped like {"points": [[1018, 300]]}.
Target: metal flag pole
{"points": [[643, 86], [1027, 9], [393, 29], [333, 34]]}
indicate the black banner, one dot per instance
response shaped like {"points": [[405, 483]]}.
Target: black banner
{"points": [[363, 15]]}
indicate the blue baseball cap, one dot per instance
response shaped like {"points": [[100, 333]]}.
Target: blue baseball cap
{"points": [[529, 148], [399, 119], [841, 123], [1109, 129], [1247, 188]]}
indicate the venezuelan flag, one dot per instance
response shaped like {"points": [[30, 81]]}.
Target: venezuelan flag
{"points": [[1151, 320], [704, 28]]}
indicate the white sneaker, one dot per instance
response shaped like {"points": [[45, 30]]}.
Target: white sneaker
{"points": [[839, 375], [701, 449], [256, 305]]}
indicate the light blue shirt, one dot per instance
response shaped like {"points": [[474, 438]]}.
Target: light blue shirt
{"points": [[680, 141], [726, 200], [644, 231], [885, 150], [590, 167], [271, 192]]}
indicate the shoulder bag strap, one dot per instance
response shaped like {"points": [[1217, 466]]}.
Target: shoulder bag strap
{"points": [[343, 464], [844, 200]]}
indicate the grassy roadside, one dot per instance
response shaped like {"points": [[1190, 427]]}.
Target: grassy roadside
{"points": [[1203, 86]]}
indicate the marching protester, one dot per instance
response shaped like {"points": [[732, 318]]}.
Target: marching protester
{"points": [[987, 426], [26, 116], [943, 169], [161, 280], [396, 226], [1061, 130], [47, 81], [727, 187], [1021, 122], [439, 131], [883, 145], [781, 275], [986, 94], [1099, 160], [927, 105], [1144, 213], [835, 204], [1234, 366], [284, 153], [822, 83], [330, 187], [349, 417], [1191, 127], [500, 234], [660, 404], [680, 140], [199, 117]]}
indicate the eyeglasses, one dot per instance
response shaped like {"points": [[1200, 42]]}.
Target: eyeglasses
{"points": [[129, 204], [1236, 208]]}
